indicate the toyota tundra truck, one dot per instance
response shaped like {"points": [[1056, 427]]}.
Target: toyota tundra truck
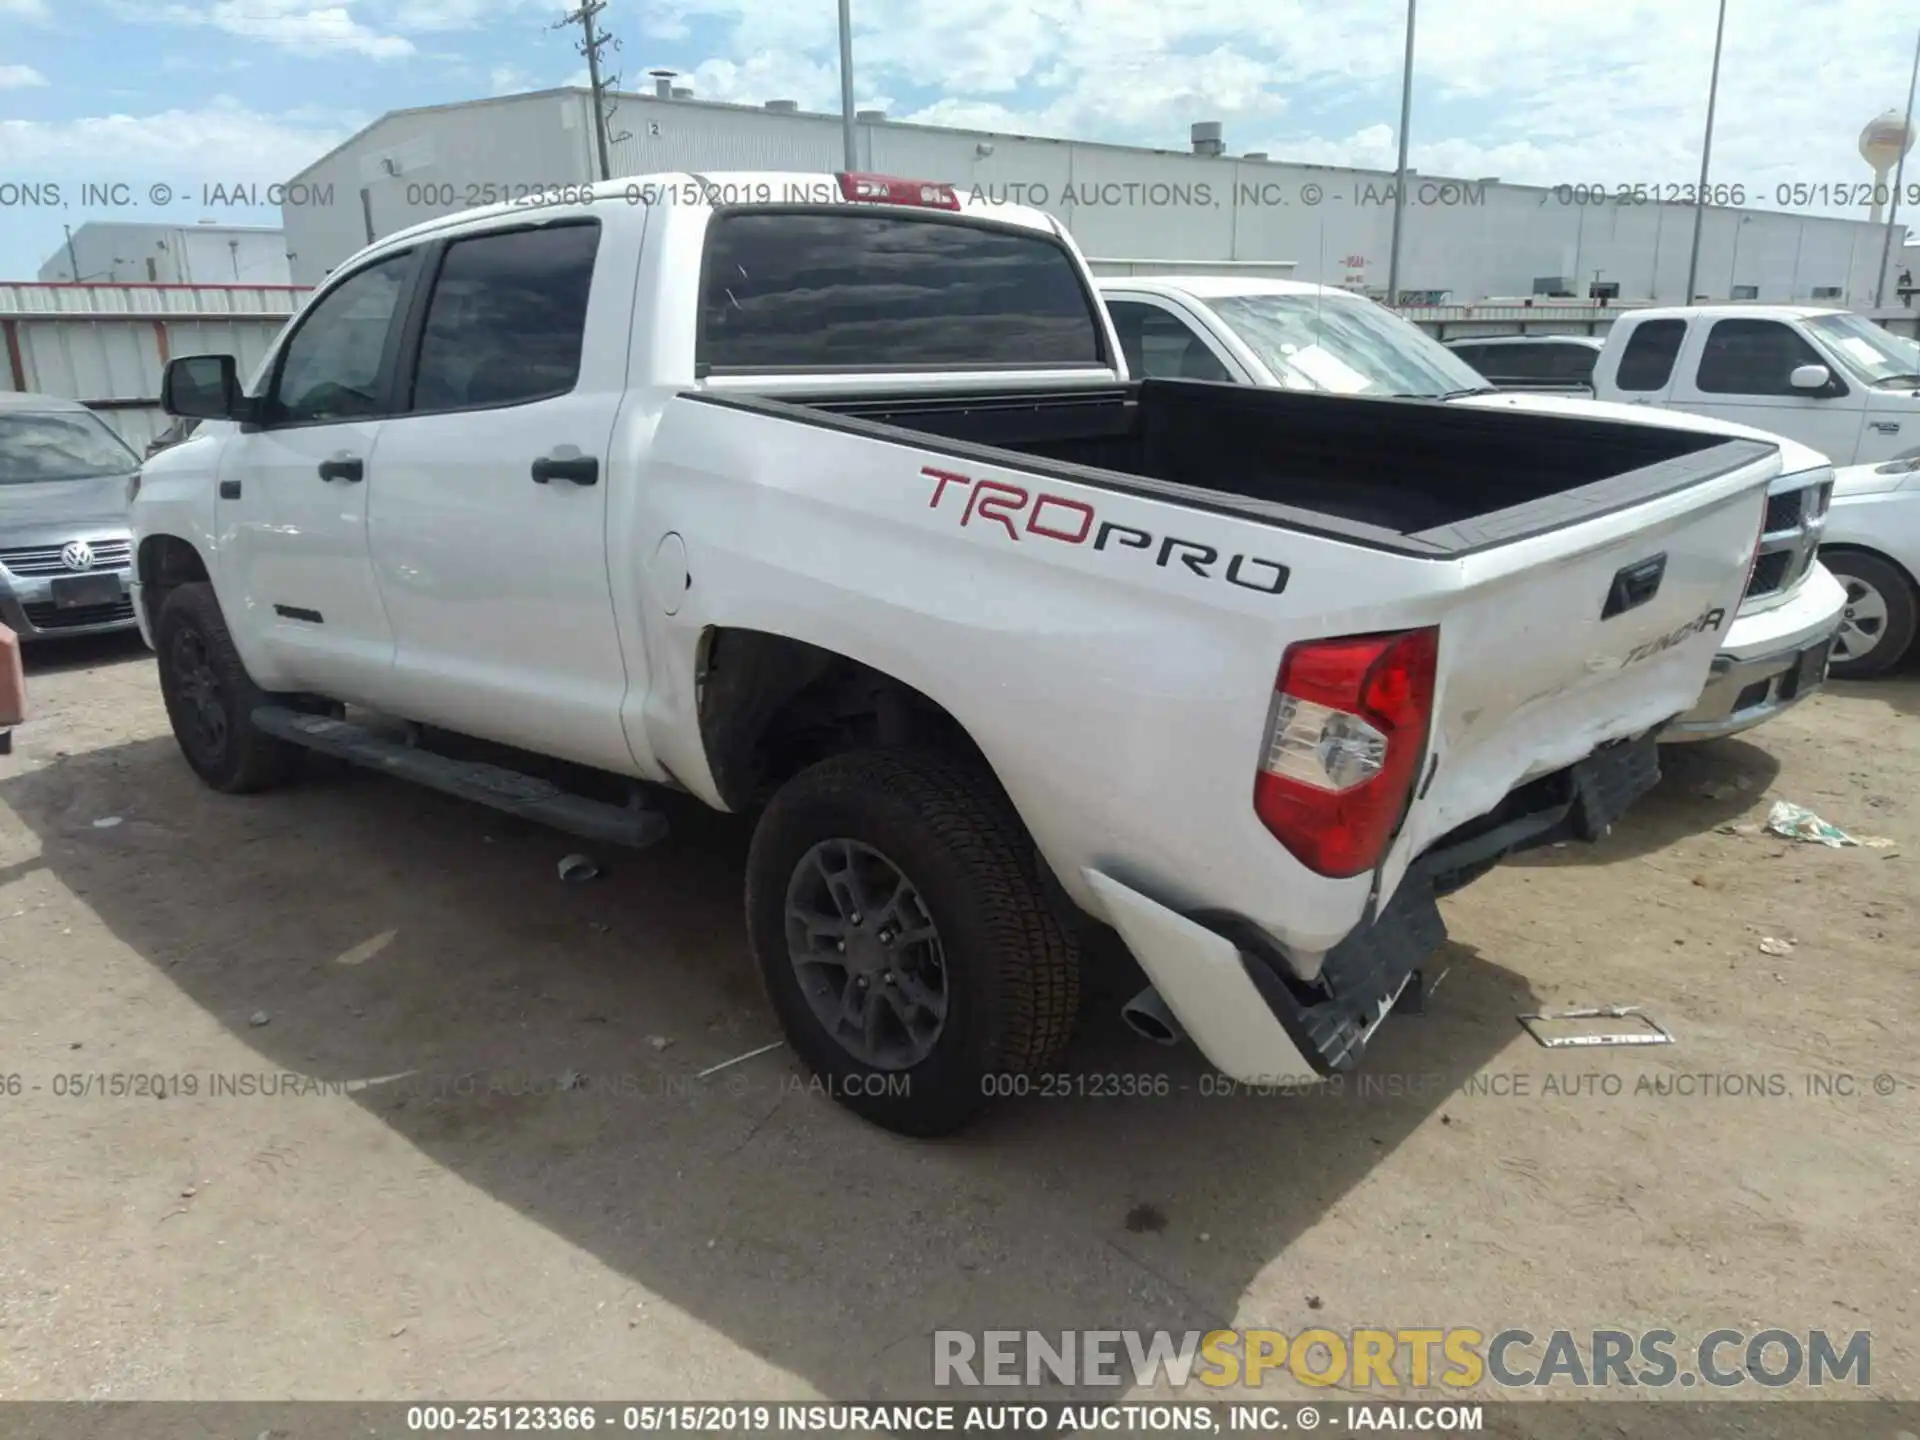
{"points": [[830, 500]]}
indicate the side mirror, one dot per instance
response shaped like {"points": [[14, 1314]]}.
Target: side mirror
{"points": [[203, 387], [1810, 377]]}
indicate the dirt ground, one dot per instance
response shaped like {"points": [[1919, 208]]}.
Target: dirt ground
{"points": [[551, 1206]]}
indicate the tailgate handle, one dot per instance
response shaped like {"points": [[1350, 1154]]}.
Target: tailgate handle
{"points": [[1634, 586]]}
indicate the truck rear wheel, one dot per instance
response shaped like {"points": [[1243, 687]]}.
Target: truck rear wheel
{"points": [[897, 912], [1876, 629], [210, 697]]}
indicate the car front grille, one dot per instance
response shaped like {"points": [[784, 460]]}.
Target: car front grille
{"points": [[46, 559], [1770, 573], [1789, 539], [51, 617]]}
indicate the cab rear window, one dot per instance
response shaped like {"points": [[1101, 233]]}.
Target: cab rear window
{"points": [[793, 291]]}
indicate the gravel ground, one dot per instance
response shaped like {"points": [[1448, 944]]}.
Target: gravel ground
{"points": [[551, 1205]]}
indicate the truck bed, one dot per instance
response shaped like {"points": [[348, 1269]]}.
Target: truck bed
{"points": [[1414, 476]]}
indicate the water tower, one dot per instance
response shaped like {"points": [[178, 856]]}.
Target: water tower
{"points": [[1886, 138]]}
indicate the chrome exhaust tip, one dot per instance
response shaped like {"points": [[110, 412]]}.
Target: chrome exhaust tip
{"points": [[1147, 1016]]}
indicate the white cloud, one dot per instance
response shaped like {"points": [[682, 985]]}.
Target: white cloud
{"points": [[508, 80], [768, 75], [441, 15], [20, 77], [222, 141], [288, 24], [24, 9], [292, 25], [1610, 91]]}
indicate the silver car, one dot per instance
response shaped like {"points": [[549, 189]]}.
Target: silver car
{"points": [[65, 549]]}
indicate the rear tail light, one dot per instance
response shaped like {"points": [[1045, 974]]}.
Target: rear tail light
{"points": [[892, 190], [1344, 739]]}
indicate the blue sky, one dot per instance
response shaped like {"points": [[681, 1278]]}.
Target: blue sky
{"points": [[187, 92]]}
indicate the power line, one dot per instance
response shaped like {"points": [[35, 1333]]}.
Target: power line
{"points": [[593, 40]]}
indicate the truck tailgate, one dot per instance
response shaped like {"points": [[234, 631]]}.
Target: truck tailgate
{"points": [[1556, 644]]}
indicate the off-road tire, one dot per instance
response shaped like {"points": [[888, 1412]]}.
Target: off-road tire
{"points": [[1012, 968], [191, 628]]}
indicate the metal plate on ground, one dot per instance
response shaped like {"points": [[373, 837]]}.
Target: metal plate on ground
{"points": [[1595, 1025]]}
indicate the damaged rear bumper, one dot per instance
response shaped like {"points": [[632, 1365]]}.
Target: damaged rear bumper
{"points": [[1256, 1021]]}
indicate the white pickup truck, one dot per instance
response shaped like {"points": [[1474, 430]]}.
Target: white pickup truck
{"points": [[829, 499], [1300, 336], [1826, 378]]}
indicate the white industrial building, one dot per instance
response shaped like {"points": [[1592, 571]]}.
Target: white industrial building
{"points": [[1464, 240], [106, 251]]}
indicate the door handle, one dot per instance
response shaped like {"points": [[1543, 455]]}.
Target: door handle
{"points": [[343, 467], [1634, 585], [580, 469]]}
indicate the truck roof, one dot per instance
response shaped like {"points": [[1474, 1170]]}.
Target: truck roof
{"points": [[1733, 310], [1214, 287], [1591, 342], [727, 187]]}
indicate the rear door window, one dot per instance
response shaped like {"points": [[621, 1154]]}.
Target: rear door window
{"points": [[1518, 362], [507, 317], [787, 291], [1572, 363], [1647, 361]]}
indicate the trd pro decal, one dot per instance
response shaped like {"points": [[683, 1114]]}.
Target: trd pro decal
{"points": [[1022, 513]]}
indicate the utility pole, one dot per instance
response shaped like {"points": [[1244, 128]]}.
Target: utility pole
{"points": [[1400, 171], [1899, 176], [846, 87], [593, 40], [1706, 156]]}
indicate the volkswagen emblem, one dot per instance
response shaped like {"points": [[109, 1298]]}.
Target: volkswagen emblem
{"points": [[77, 555]]}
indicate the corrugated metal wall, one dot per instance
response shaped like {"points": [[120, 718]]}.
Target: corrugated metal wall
{"points": [[107, 345]]}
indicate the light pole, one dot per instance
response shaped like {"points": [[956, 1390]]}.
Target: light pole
{"points": [[1706, 155], [846, 85], [1400, 170], [1899, 174]]}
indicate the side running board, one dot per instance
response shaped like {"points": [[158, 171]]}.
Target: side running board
{"points": [[527, 796]]}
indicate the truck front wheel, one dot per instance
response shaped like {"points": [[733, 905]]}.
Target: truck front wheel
{"points": [[211, 699], [897, 912], [1877, 627]]}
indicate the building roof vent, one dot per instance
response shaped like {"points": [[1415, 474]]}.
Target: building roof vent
{"points": [[682, 92], [662, 84], [1207, 138], [783, 107], [871, 117], [1254, 155]]}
